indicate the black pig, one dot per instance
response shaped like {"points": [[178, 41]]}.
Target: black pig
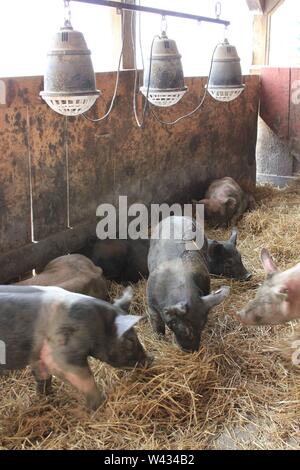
{"points": [[178, 288]]}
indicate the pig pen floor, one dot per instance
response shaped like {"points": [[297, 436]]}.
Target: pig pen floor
{"points": [[240, 391]]}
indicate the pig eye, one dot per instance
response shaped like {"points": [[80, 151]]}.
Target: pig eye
{"points": [[129, 343], [172, 324]]}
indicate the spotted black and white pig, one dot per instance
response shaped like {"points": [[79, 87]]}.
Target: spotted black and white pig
{"points": [[178, 288], [225, 202], [278, 299], [55, 331]]}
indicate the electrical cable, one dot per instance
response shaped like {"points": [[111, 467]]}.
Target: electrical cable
{"points": [[145, 108], [191, 113], [116, 85]]}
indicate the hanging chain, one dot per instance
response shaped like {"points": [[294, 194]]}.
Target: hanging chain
{"points": [[218, 10], [163, 25], [67, 10]]}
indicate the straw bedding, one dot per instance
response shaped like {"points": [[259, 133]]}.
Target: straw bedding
{"points": [[240, 391]]}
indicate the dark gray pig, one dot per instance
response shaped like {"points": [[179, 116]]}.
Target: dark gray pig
{"points": [[55, 331], [178, 288], [121, 260], [225, 260]]}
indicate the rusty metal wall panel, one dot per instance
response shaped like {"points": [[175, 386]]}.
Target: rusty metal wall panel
{"points": [[162, 163], [294, 128], [275, 99], [48, 165], [91, 168], [115, 157], [15, 226]]}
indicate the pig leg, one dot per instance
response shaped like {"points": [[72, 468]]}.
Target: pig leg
{"points": [[157, 323], [251, 203], [42, 377], [235, 219], [75, 370], [82, 379]]}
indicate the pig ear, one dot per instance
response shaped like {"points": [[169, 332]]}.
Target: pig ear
{"points": [[215, 248], [123, 323], [179, 309], [267, 262], [233, 236], [215, 298], [124, 301], [203, 201]]}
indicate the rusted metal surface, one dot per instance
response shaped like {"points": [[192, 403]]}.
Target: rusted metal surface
{"points": [[14, 178], [275, 99], [91, 168], [111, 158], [48, 169], [280, 104]]}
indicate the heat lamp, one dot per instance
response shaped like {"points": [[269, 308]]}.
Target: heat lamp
{"points": [[69, 81]]}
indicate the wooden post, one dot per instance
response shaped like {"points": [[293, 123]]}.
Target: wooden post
{"points": [[261, 30], [128, 23], [261, 24], [256, 5]]}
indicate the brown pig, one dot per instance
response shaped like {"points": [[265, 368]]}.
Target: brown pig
{"points": [[75, 273], [225, 202]]}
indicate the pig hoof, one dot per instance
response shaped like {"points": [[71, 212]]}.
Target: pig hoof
{"points": [[44, 387], [95, 401]]}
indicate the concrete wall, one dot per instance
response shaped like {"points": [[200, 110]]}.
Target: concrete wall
{"points": [[274, 160]]}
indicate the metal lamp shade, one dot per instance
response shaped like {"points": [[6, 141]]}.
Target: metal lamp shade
{"points": [[164, 86], [225, 83], [69, 81]]}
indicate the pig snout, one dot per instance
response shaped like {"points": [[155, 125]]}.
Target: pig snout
{"points": [[253, 314], [243, 317], [189, 346], [241, 275], [146, 361], [247, 277]]}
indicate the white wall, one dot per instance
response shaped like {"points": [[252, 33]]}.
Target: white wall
{"points": [[285, 35], [196, 42], [27, 25]]}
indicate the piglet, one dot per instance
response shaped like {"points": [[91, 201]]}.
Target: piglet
{"points": [[224, 259], [225, 202], [55, 331], [178, 288], [75, 273], [278, 299]]}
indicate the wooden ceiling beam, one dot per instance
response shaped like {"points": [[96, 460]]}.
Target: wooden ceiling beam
{"points": [[263, 6], [256, 5]]}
